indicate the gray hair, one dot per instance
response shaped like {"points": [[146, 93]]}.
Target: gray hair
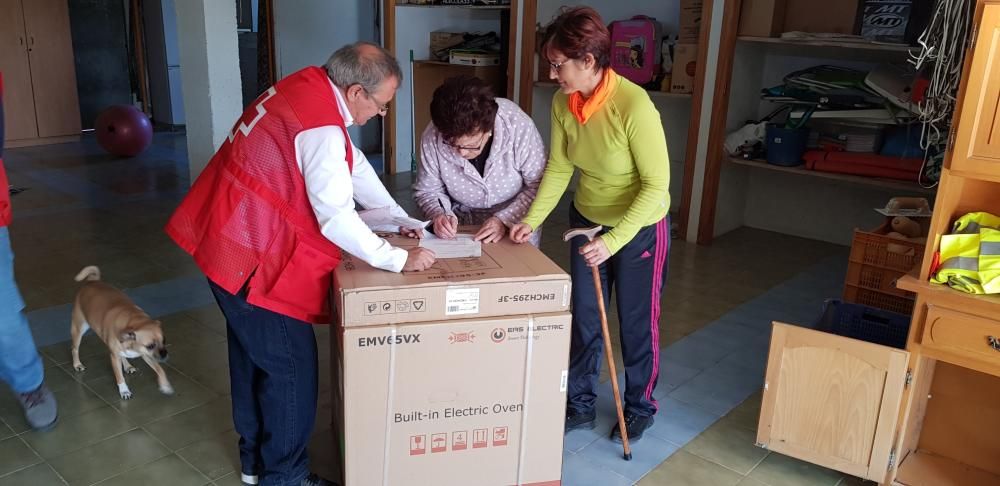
{"points": [[362, 63]]}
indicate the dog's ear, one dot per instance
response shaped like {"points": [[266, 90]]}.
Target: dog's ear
{"points": [[126, 336]]}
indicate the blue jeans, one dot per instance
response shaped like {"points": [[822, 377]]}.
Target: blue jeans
{"points": [[20, 365], [273, 377]]}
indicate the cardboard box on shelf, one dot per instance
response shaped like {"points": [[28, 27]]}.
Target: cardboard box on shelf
{"points": [[690, 21], [682, 76], [475, 401], [440, 40], [474, 57], [508, 279], [827, 16], [762, 18], [886, 20]]}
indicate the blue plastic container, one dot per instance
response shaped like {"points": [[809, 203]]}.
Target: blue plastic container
{"points": [[785, 146], [865, 323]]}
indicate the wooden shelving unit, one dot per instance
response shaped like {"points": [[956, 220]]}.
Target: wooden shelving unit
{"points": [[864, 46], [909, 187], [652, 94], [927, 414], [472, 7]]}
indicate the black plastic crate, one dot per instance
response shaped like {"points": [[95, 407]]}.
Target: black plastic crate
{"points": [[865, 323]]}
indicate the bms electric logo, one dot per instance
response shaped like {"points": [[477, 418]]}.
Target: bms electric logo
{"points": [[498, 335]]}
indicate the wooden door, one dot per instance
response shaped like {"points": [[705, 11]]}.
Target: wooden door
{"points": [[53, 73], [977, 140], [832, 400], [18, 100]]}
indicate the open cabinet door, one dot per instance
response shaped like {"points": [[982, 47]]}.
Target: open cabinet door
{"points": [[831, 400]]}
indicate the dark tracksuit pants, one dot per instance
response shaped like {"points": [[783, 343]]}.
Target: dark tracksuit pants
{"points": [[637, 273]]}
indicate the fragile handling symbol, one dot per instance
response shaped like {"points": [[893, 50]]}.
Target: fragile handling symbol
{"points": [[418, 445]]}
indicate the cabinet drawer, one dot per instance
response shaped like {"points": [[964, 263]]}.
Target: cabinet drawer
{"points": [[965, 334]]}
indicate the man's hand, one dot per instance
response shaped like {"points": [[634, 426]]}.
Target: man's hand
{"points": [[595, 252], [411, 232], [419, 259], [520, 233], [492, 231], [445, 226]]}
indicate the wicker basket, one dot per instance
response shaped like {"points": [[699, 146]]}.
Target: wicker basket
{"points": [[873, 270]]}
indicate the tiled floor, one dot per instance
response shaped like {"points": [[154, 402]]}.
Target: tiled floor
{"points": [[84, 207]]}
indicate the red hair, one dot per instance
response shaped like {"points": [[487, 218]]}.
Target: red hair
{"points": [[576, 32]]}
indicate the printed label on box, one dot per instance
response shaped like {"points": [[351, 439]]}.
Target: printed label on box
{"points": [[564, 381], [461, 301]]}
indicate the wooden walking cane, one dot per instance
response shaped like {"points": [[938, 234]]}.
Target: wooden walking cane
{"points": [[590, 233]]}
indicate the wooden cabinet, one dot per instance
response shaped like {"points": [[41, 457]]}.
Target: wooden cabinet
{"points": [[977, 135], [36, 59], [832, 400], [821, 399]]}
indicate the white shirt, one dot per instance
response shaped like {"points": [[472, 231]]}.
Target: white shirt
{"points": [[332, 189]]}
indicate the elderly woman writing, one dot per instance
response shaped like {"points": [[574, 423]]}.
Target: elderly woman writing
{"points": [[481, 161]]}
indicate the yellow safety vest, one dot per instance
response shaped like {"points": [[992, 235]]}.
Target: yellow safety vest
{"points": [[970, 256]]}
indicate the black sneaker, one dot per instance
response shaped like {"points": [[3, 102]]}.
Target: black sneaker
{"points": [[580, 420], [635, 425], [315, 480]]}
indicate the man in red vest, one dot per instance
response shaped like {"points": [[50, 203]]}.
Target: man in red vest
{"points": [[20, 365], [266, 222]]}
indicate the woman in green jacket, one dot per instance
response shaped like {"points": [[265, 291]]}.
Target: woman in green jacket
{"points": [[607, 127]]}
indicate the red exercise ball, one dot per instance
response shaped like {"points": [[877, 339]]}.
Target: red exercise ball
{"points": [[123, 130]]}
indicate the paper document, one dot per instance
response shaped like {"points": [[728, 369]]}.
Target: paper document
{"points": [[383, 218], [463, 246]]}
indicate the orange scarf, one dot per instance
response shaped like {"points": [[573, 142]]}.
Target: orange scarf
{"points": [[582, 108]]}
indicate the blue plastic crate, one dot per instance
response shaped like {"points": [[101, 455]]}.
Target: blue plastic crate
{"points": [[865, 323]]}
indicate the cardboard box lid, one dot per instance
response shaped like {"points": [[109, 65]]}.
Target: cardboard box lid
{"points": [[503, 265]]}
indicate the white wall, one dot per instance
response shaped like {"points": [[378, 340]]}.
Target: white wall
{"points": [[413, 28], [308, 31], [213, 96]]}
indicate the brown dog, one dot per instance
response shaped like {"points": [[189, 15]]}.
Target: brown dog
{"points": [[123, 326]]}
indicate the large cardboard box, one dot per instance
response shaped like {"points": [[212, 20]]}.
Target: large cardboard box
{"points": [[690, 21], [452, 376], [508, 279], [454, 403], [827, 16], [685, 64], [762, 18]]}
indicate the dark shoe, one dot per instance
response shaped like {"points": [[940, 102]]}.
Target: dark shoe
{"points": [[635, 425], [315, 480], [580, 420], [39, 407]]}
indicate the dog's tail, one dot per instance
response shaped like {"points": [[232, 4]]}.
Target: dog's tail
{"points": [[89, 273]]}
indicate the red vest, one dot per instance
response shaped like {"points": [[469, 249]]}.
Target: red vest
{"points": [[4, 192], [248, 217]]}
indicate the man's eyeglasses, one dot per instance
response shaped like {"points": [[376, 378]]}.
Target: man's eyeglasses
{"points": [[383, 108]]}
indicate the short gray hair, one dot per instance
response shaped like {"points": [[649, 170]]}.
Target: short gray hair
{"points": [[351, 65]]}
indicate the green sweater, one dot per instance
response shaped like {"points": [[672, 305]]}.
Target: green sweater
{"points": [[624, 168]]}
